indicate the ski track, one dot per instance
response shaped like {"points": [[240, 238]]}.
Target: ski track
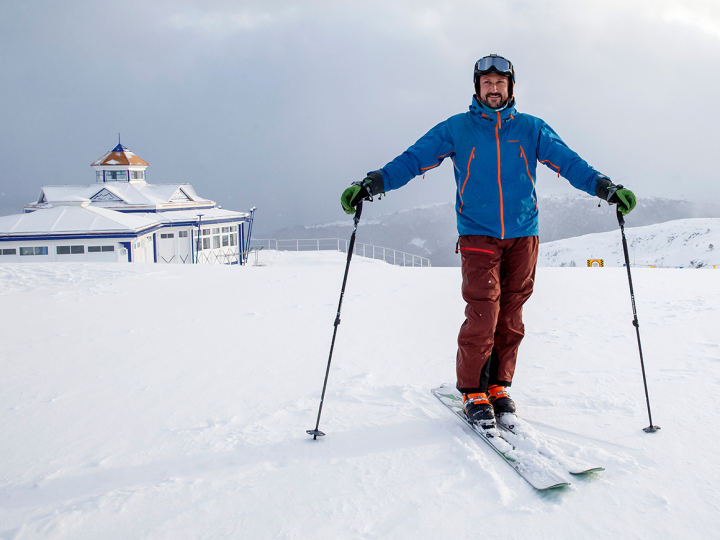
{"points": [[145, 401]]}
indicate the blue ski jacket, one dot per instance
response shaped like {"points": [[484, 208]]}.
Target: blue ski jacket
{"points": [[494, 155]]}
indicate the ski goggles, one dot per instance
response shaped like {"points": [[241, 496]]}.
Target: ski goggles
{"points": [[495, 63]]}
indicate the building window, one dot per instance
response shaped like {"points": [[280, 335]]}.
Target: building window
{"points": [[206, 243], [233, 228], [182, 234], [225, 241], [8, 251], [216, 242], [71, 250], [226, 229], [98, 176], [206, 232], [115, 175], [108, 248], [137, 175], [233, 239], [34, 250], [98, 249], [168, 235], [216, 230]]}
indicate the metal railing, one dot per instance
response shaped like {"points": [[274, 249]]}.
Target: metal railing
{"points": [[219, 256], [389, 255]]}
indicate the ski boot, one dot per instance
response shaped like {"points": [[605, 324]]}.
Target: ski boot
{"points": [[478, 410], [503, 405]]}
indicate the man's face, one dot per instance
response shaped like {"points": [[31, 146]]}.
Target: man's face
{"points": [[493, 90]]}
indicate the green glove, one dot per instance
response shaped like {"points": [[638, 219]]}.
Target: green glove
{"points": [[351, 196], [364, 189], [625, 199]]}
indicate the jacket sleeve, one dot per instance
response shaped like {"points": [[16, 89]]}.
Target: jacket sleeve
{"points": [[427, 153], [555, 154]]}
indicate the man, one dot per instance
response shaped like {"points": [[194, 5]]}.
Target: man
{"points": [[495, 151]]}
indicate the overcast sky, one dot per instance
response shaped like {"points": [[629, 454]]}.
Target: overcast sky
{"points": [[282, 104]]}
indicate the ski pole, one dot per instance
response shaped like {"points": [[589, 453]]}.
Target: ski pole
{"points": [[621, 220], [358, 210]]}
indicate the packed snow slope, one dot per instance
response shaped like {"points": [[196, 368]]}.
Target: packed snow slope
{"points": [[681, 243], [149, 401]]}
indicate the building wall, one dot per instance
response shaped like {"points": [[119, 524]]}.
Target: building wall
{"points": [[219, 244], [87, 250]]}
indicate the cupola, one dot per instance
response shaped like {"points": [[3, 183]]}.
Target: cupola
{"points": [[120, 165]]}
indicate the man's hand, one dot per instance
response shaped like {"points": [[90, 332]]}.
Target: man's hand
{"points": [[352, 195], [615, 194], [363, 189], [625, 199]]}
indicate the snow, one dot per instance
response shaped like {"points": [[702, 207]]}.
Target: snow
{"points": [[149, 401], [679, 243]]}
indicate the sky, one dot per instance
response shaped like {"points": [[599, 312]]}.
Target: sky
{"points": [[281, 105]]}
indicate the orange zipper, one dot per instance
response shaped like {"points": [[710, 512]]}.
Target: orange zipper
{"points": [[527, 168], [553, 165], [497, 140], [472, 156]]}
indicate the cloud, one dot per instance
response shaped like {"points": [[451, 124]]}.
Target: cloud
{"points": [[222, 23], [693, 18]]}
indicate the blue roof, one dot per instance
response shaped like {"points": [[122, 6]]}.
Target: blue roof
{"points": [[119, 148]]}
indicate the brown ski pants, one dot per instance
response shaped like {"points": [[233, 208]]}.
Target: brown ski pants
{"points": [[498, 277]]}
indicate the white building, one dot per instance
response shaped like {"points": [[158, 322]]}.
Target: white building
{"points": [[123, 218]]}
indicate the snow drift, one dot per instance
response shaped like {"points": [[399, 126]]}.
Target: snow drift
{"points": [[147, 401]]}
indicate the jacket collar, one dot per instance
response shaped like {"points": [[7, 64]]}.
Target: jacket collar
{"points": [[481, 111]]}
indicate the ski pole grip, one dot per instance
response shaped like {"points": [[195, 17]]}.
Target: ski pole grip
{"points": [[358, 211], [620, 217]]}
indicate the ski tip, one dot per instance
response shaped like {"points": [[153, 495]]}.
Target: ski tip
{"points": [[651, 429], [315, 433], [587, 471], [554, 486]]}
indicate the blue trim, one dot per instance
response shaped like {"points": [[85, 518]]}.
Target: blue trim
{"points": [[154, 247], [128, 246], [137, 234], [155, 210]]}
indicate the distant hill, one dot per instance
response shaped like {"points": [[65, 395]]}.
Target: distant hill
{"points": [[687, 243], [431, 230]]}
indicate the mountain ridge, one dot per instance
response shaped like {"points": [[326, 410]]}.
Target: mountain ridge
{"points": [[430, 230]]}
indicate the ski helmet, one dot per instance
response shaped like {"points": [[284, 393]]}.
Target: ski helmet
{"points": [[495, 64]]}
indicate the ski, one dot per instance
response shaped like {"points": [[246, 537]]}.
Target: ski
{"points": [[535, 468], [520, 434]]}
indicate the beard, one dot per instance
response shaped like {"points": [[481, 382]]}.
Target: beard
{"points": [[486, 101]]}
